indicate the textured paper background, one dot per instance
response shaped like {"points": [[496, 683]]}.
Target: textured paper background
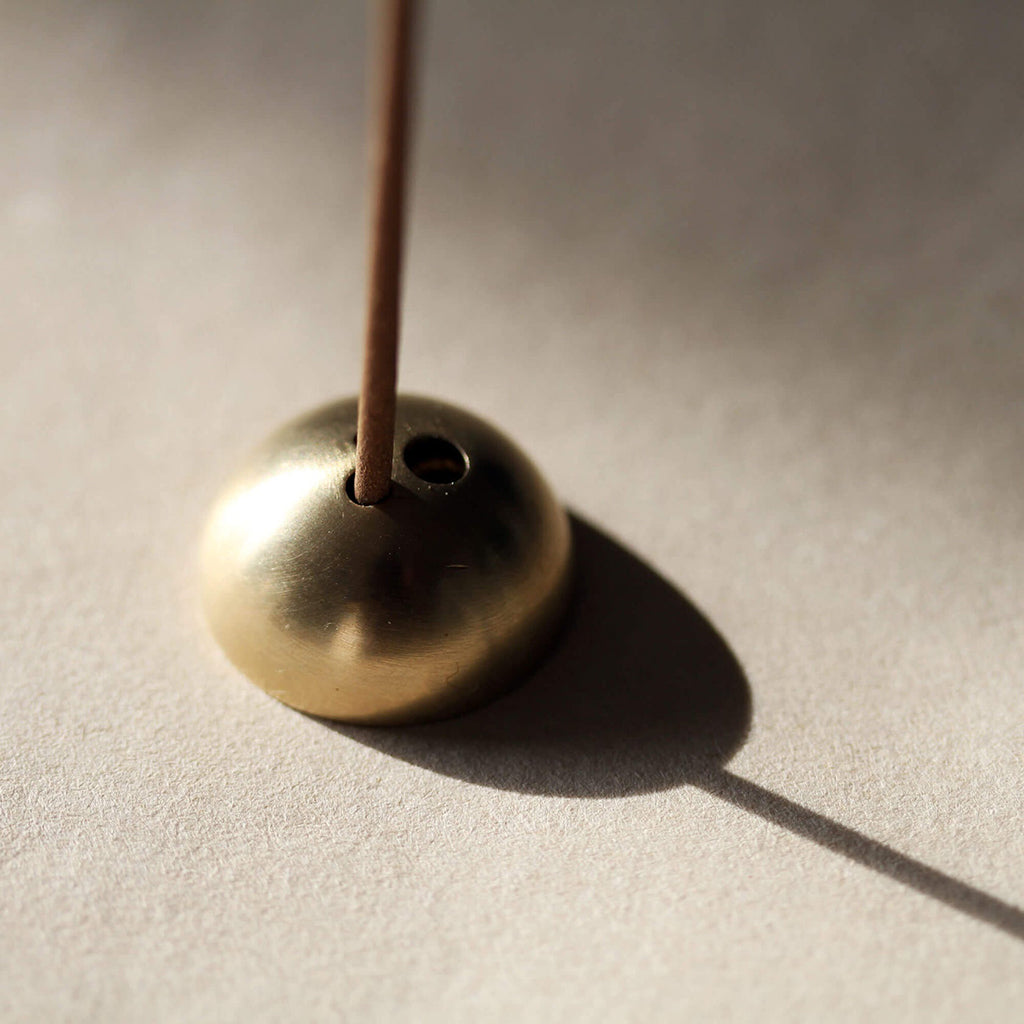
{"points": [[746, 280]]}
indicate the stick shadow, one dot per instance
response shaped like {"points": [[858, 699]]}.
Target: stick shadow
{"points": [[642, 694]]}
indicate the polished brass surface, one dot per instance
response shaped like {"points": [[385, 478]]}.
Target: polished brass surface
{"points": [[434, 600]]}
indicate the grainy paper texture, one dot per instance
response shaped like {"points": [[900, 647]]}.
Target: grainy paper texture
{"points": [[746, 281]]}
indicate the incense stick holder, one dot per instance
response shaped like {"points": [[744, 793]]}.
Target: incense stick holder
{"points": [[433, 601]]}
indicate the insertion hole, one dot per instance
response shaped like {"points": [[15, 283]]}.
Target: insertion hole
{"points": [[350, 490], [435, 460]]}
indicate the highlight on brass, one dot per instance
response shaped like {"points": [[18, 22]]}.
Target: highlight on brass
{"points": [[430, 602]]}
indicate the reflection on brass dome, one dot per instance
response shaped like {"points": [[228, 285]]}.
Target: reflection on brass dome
{"points": [[431, 602]]}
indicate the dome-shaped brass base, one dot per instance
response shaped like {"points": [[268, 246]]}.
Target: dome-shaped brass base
{"points": [[431, 602]]}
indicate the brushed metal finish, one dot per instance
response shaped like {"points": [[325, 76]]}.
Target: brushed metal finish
{"points": [[433, 601]]}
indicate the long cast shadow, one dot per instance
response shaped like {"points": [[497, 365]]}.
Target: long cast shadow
{"points": [[642, 694], [862, 849]]}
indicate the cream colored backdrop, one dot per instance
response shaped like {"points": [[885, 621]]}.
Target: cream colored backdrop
{"points": [[746, 280]]}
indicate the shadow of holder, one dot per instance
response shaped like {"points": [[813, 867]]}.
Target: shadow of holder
{"points": [[641, 694]]}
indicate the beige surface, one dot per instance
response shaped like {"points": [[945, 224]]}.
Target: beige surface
{"points": [[746, 280]]}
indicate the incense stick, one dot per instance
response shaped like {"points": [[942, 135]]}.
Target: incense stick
{"points": [[376, 426]]}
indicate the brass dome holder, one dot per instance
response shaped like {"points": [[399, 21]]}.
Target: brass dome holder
{"points": [[431, 601]]}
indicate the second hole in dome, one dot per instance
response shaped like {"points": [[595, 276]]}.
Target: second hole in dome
{"points": [[435, 460]]}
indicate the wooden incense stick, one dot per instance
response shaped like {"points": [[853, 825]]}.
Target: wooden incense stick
{"points": [[375, 432]]}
